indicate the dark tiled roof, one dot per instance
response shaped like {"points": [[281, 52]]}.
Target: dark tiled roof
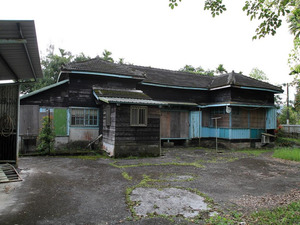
{"points": [[237, 79], [169, 77], [132, 94], [101, 66], [174, 78]]}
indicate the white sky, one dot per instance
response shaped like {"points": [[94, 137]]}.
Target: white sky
{"points": [[149, 33]]}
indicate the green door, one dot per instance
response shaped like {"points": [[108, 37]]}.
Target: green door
{"points": [[60, 122]]}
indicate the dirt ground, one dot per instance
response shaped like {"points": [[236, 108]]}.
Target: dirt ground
{"points": [[62, 190]]}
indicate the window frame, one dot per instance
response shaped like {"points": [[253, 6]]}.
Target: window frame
{"points": [[138, 122], [86, 117]]}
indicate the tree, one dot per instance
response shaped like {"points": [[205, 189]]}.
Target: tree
{"points": [[106, 55], [51, 66], [270, 12], [297, 99], [258, 74], [199, 70], [220, 69], [293, 115]]}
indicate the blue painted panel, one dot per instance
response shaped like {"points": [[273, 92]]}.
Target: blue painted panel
{"points": [[271, 119], [227, 133], [223, 133], [256, 133], [240, 134], [205, 132], [195, 124]]}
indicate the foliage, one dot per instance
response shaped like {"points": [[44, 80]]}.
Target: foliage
{"points": [[270, 12], [258, 74], [51, 65], [288, 153], [297, 99], [294, 116], [199, 70], [220, 69], [46, 136], [106, 55]]}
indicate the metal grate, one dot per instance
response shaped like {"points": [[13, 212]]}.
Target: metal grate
{"points": [[8, 174]]}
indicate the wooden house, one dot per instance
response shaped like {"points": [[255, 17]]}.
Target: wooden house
{"points": [[137, 108]]}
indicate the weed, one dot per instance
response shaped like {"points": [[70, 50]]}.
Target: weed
{"points": [[126, 176]]}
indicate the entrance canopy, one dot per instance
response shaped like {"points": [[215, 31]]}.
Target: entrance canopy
{"points": [[19, 54]]}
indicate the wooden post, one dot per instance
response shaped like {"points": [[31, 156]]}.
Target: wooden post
{"points": [[216, 121]]}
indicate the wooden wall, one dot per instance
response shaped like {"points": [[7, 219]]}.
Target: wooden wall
{"points": [[54, 97], [173, 94], [109, 130], [131, 140], [29, 120], [174, 124], [252, 96], [81, 88]]}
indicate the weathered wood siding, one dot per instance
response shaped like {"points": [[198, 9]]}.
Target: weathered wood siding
{"points": [[132, 140], [109, 130], [240, 119], [174, 94], [29, 120], [221, 95], [54, 97], [81, 88], [174, 124], [252, 96]]}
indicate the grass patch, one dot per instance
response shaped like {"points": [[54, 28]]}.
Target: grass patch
{"points": [[126, 176], [254, 152], [287, 153], [289, 214]]}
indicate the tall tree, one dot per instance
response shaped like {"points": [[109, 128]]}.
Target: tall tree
{"points": [[270, 12], [51, 66], [258, 74]]}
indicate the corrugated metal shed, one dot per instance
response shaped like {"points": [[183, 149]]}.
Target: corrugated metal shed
{"points": [[19, 54]]}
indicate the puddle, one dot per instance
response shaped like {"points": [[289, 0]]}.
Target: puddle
{"points": [[168, 201]]}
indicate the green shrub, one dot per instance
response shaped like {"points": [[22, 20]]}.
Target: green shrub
{"points": [[46, 136]]}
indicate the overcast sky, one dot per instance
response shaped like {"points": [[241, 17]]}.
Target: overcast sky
{"points": [[149, 33]]}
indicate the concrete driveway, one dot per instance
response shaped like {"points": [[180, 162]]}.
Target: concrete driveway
{"points": [[62, 190]]}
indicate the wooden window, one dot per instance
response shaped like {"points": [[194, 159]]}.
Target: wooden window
{"points": [[138, 116], [84, 117]]}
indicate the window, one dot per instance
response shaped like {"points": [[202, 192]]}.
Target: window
{"points": [[138, 115], [84, 117]]}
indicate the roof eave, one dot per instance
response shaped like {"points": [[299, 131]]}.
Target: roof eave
{"points": [[44, 89]]}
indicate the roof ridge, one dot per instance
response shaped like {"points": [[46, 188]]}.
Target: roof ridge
{"points": [[166, 70]]}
